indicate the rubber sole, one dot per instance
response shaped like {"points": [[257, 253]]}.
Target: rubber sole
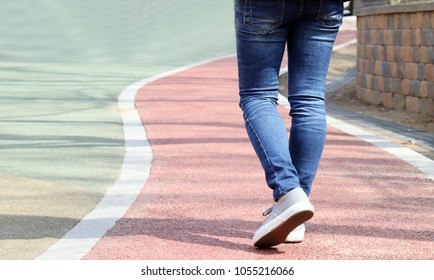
{"points": [[278, 234], [296, 235]]}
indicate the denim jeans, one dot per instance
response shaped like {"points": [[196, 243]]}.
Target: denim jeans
{"points": [[308, 28]]}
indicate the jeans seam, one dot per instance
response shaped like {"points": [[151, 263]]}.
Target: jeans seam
{"points": [[265, 153], [319, 10], [300, 9], [246, 2], [283, 10]]}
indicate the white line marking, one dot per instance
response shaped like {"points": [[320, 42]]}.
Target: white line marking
{"points": [[343, 45], [424, 164], [419, 161], [135, 171]]}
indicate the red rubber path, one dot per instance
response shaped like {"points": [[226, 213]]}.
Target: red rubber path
{"points": [[206, 191]]}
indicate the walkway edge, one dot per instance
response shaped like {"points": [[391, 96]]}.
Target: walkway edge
{"points": [[424, 164], [135, 171]]}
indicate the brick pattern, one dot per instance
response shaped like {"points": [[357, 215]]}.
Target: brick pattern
{"points": [[396, 60]]}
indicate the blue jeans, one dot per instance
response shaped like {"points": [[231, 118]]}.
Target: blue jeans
{"points": [[308, 28]]}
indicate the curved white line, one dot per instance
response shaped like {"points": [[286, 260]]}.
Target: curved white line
{"points": [[135, 171], [424, 164]]}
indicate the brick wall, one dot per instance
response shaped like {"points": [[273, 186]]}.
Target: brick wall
{"points": [[396, 56]]}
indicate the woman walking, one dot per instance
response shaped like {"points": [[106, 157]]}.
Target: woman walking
{"points": [[308, 29]]}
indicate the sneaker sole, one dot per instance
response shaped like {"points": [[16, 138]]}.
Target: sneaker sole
{"points": [[278, 233], [295, 237]]}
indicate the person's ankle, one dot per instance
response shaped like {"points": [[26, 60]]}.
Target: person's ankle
{"points": [[282, 196]]}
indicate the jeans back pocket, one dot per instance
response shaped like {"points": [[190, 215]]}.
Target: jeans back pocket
{"points": [[263, 16], [331, 13]]}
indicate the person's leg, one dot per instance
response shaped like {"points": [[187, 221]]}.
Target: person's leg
{"points": [[261, 40], [262, 28], [310, 44]]}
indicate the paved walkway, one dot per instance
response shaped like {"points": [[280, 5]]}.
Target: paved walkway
{"points": [[206, 191], [63, 65]]}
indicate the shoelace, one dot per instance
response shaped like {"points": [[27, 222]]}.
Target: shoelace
{"points": [[268, 211]]}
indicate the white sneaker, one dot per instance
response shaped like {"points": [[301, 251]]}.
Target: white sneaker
{"points": [[291, 211], [297, 235]]}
